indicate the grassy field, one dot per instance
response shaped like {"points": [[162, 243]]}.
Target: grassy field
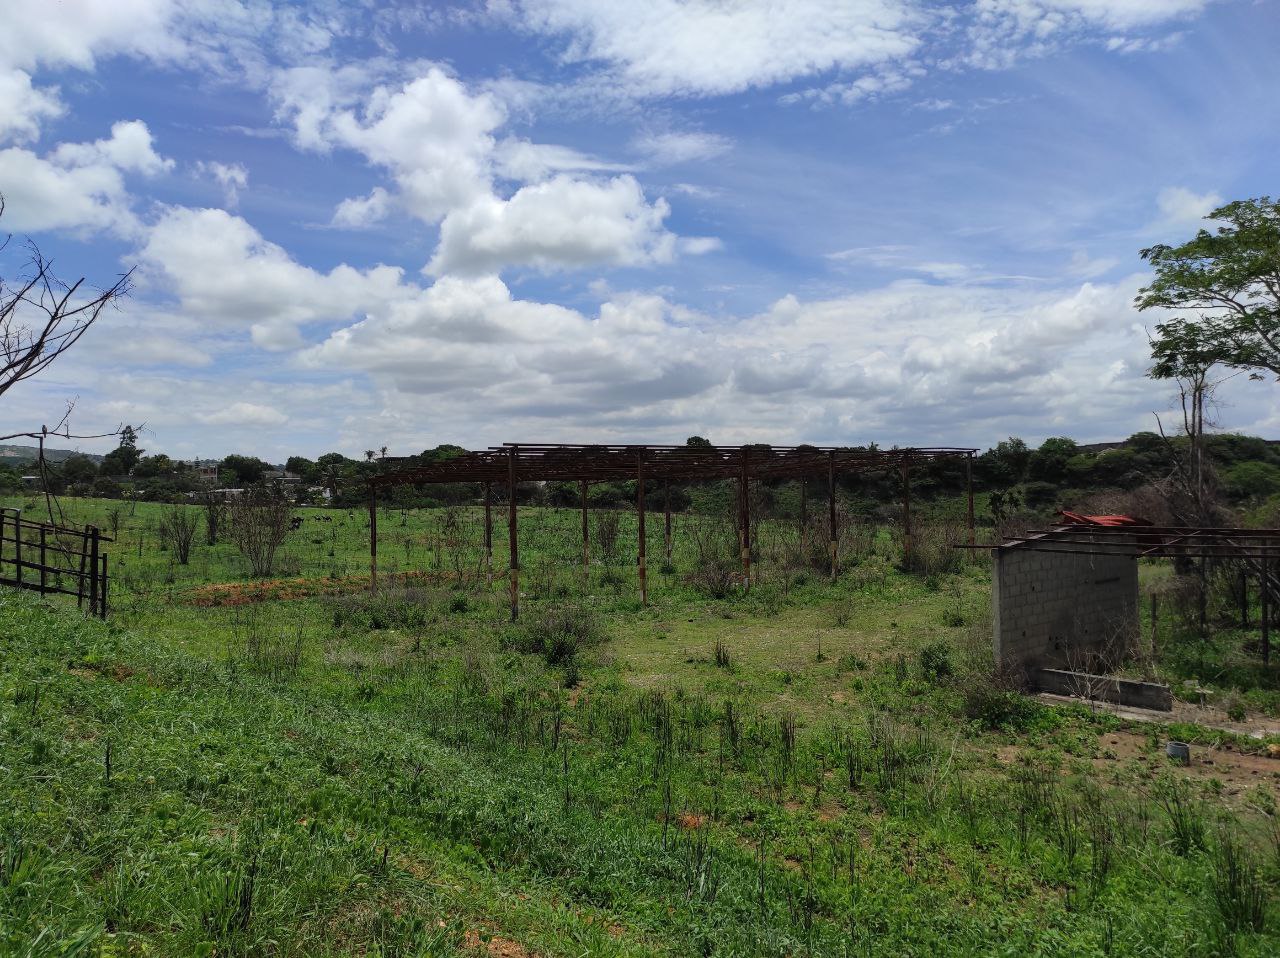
{"points": [[810, 768]]}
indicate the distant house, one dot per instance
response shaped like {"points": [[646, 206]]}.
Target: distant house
{"points": [[282, 478], [206, 470]]}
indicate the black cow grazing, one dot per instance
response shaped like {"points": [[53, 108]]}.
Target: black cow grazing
{"points": [[295, 522]]}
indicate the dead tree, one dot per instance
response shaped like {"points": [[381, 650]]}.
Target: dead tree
{"points": [[259, 521], [177, 530], [41, 317], [214, 513]]}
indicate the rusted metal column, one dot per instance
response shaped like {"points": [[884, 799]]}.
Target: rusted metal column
{"points": [[906, 515], [488, 533], [644, 586], [373, 539], [512, 541], [804, 507], [968, 488], [744, 518], [1266, 603], [105, 580], [17, 545], [666, 519], [831, 506], [93, 566], [586, 533]]}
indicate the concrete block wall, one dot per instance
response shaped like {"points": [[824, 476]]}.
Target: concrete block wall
{"points": [[1058, 610]]}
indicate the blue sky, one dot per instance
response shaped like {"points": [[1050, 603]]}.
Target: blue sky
{"points": [[358, 225]]}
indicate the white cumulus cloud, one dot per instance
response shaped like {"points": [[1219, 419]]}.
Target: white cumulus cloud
{"points": [[561, 223]]}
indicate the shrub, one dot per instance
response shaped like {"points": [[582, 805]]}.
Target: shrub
{"points": [[177, 530], [559, 634], [259, 522], [385, 609], [1238, 889], [933, 547], [935, 661], [998, 708], [721, 654]]}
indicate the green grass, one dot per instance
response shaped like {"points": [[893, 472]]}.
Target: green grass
{"points": [[393, 775]]}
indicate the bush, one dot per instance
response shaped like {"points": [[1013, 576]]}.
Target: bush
{"points": [[998, 708], [935, 661], [177, 530], [386, 609], [559, 634]]}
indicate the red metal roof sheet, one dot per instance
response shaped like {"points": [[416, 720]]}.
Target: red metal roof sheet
{"points": [[1077, 519]]}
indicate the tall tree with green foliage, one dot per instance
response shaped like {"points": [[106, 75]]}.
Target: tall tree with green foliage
{"points": [[1230, 277]]}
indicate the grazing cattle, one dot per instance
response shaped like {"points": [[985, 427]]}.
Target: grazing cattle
{"points": [[295, 522]]}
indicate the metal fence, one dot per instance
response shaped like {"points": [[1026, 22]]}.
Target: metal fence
{"points": [[54, 560]]}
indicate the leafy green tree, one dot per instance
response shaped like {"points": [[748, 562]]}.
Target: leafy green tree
{"points": [[244, 470], [301, 466], [1253, 480], [1003, 466], [153, 467], [1230, 277], [77, 468], [121, 460], [1049, 462]]}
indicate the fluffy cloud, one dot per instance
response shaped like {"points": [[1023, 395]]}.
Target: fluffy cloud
{"points": [[437, 139], [561, 223], [25, 106], [361, 212], [232, 177], [1181, 208], [706, 47], [79, 186], [225, 273], [75, 33], [470, 345], [434, 137], [244, 414], [865, 366]]}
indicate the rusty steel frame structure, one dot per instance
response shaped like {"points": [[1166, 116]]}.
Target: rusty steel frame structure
{"points": [[1255, 549], [513, 463]]}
